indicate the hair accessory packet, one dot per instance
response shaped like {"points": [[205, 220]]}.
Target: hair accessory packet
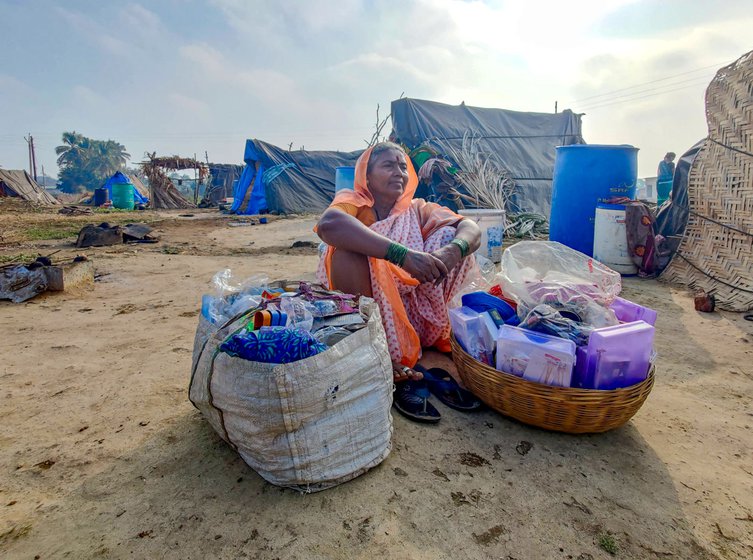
{"points": [[534, 356], [470, 332]]}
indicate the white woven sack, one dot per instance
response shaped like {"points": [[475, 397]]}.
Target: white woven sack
{"points": [[308, 425]]}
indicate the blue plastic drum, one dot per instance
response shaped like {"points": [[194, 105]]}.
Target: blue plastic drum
{"points": [[344, 178], [584, 176]]}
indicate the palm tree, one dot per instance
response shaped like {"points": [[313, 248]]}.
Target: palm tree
{"points": [[73, 150], [89, 162], [108, 157], [114, 154]]}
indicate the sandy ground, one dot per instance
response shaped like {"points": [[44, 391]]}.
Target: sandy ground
{"points": [[103, 456]]}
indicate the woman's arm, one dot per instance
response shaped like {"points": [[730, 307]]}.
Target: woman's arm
{"points": [[469, 232], [450, 254], [343, 231]]}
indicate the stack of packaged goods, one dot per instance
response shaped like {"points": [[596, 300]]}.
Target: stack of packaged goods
{"points": [[555, 317]]}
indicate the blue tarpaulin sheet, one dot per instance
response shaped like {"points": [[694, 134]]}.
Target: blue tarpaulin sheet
{"points": [[287, 182], [121, 179]]}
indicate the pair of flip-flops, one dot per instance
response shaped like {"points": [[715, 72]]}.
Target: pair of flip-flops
{"points": [[412, 397]]}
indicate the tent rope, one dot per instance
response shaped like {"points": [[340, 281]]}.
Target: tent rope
{"points": [[714, 278], [731, 148]]}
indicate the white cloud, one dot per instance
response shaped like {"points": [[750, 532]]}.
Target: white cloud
{"points": [[141, 20], [100, 35], [87, 97], [313, 72], [11, 86], [182, 103], [308, 16]]}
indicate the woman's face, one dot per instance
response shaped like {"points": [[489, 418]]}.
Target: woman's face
{"points": [[387, 175]]}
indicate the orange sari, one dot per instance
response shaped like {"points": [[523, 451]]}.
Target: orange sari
{"points": [[413, 314]]}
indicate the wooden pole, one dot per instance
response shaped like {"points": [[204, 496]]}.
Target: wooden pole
{"points": [[28, 143], [33, 157], [195, 182]]}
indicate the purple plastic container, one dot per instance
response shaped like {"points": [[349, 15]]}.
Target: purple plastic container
{"points": [[580, 378], [627, 312], [615, 357]]}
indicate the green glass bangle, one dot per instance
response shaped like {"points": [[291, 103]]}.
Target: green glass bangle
{"points": [[396, 254], [463, 245]]}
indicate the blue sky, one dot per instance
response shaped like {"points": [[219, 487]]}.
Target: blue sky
{"points": [[185, 76]]}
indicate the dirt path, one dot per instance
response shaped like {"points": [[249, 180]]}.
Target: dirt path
{"points": [[102, 455]]}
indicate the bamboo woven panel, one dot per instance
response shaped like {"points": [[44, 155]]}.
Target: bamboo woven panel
{"points": [[712, 257], [561, 409]]}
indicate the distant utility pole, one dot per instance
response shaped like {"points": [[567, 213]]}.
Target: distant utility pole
{"points": [[195, 182], [555, 107], [32, 157]]}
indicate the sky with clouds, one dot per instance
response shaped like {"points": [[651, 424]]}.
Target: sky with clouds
{"points": [[185, 76]]}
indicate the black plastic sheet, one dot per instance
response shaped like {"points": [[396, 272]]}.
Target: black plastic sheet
{"points": [[522, 143]]}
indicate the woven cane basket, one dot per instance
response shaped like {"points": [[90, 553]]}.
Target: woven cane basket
{"points": [[561, 409], [716, 252]]}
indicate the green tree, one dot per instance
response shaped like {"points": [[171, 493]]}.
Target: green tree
{"points": [[86, 164]]}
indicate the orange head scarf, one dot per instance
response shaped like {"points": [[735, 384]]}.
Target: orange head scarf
{"points": [[361, 195]]}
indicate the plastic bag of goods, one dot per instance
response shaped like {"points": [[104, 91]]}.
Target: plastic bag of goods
{"points": [[232, 295], [481, 277], [308, 425], [547, 272]]}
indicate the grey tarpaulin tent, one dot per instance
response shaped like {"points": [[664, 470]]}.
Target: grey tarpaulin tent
{"points": [[523, 143], [20, 184], [287, 182], [224, 176]]}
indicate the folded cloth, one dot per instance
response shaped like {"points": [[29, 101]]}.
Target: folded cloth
{"points": [[273, 345]]}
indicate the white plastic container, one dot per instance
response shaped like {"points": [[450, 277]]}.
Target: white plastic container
{"points": [[610, 239], [492, 224], [535, 356]]}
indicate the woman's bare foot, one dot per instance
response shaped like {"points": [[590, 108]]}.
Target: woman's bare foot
{"points": [[404, 373]]}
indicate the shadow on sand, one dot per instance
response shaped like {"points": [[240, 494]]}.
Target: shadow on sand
{"points": [[475, 486]]}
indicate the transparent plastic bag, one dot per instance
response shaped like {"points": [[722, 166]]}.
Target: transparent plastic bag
{"points": [[547, 272], [232, 295], [242, 302], [298, 312], [227, 283], [480, 279]]}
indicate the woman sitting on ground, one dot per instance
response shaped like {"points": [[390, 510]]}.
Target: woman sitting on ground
{"points": [[410, 255]]}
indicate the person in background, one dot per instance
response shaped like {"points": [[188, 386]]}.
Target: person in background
{"points": [[410, 255], [664, 175]]}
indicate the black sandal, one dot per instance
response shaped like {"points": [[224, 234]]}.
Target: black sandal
{"points": [[446, 389], [411, 399]]}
